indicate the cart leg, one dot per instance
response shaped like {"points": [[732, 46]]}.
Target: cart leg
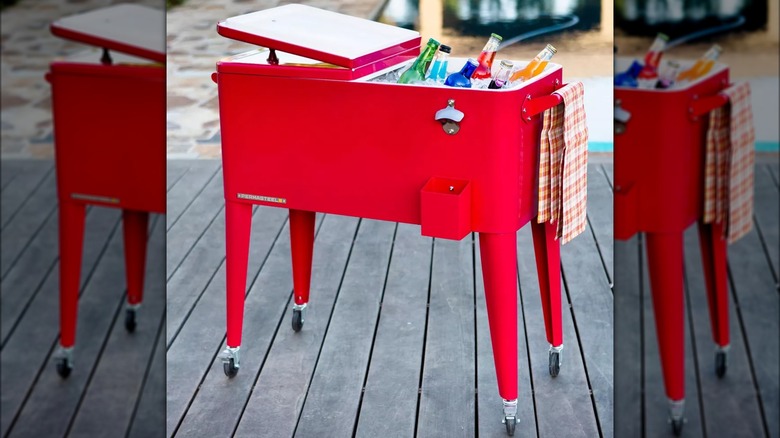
{"points": [[548, 268], [499, 273], [713, 254], [134, 227], [71, 222], [302, 243], [665, 260], [238, 225]]}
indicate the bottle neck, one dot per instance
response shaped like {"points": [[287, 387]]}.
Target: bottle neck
{"points": [[425, 57], [545, 55], [712, 54], [468, 69], [491, 45]]}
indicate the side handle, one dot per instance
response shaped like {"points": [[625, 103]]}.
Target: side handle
{"points": [[537, 105], [702, 106]]}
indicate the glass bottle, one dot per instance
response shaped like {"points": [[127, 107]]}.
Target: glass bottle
{"points": [[501, 78], [628, 77], [668, 74], [462, 78], [649, 75], [485, 59], [536, 65], [702, 66], [439, 68], [416, 73]]}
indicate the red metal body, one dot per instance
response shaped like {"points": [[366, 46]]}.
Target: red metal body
{"points": [[109, 137], [375, 150], [659, 180]]}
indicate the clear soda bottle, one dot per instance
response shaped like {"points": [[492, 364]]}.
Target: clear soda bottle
{"points": [[502, 77]]}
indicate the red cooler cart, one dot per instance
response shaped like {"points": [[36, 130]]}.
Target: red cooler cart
{"points": [[109, 136], [659, 190], [307, 129]]}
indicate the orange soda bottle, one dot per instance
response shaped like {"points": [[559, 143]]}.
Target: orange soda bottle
{"points": [[536, 65], [702, 66]]}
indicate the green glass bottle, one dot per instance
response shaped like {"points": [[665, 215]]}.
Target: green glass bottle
{"points": [[416, 72]]}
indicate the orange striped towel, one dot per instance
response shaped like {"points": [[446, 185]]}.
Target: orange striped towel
{"points": [[563, 164], [728, 164]]}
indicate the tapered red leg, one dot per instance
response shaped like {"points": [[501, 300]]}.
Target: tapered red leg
{"points": [[238, 221], [548, 268], [665, 260], [302, 242], [135, 226], [71, 222], [713, 252], [499, 273]]}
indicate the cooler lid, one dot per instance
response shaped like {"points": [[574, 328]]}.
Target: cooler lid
{"points": [[132, 29], [322, 35]]}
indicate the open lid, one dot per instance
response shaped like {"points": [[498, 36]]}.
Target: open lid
{"points": [[322, 35], [132, 29]]}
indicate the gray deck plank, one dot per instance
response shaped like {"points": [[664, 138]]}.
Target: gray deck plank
{"points": [[448, 398], [28, 176], [656, 402], [118, 379], [394, 372], [489, 406], [729, 405], [600, 218], [149, 418], [627, 340], [332, 404], [563, 404], [26, 224], [26, 351], [265, 309], [193, 352], [767, 216], [592, 308], [609, 171], [174, 171], [54, 398], [198, 216], [199, 175], [758, 306], [277, 397]]}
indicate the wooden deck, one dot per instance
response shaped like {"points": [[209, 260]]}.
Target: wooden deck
{"points": [[745, 402], [396, 340], [117, 385]]}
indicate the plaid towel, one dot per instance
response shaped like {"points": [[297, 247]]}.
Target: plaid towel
{"points": [[563, 164], [728, 164]]}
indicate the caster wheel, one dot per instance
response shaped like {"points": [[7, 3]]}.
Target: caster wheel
{"points": [[297, 320], [230, 368], [510, 423], [555, 363], [130, 320], [720, 364], [677, 425], [64, 368]]}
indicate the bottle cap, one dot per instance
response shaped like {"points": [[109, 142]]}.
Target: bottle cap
{"points": [[551, 48], [663, 36], [717, 47], [445, 48], [496, 36], [507, 64], [472, 61]]}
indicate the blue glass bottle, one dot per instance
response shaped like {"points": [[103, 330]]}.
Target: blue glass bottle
{"points": [[463, 77], [628, 77]]}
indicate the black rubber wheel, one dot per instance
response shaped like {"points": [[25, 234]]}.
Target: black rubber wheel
{"points": [[677, 426], [130, 320], [297, 320], [63, 368], [555, 363], [230, 368], [720, 363], [510, 423]]}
